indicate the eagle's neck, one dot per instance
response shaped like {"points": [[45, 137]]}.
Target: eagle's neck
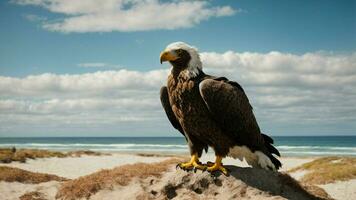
{"points": [[175, 72], [186, 73], [188, 68]]}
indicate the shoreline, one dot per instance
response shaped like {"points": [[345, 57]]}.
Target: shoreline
{"points": [[172, 152]]}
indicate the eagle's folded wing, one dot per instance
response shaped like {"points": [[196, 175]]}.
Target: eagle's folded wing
{"points": [[231, 109], [168, 109]]}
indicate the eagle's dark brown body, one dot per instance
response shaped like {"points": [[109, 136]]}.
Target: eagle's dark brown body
{"points": [[190, 110]]}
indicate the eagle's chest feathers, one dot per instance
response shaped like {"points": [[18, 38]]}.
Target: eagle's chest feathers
{"points": [[184, 97]]}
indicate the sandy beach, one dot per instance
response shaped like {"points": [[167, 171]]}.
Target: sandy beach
{"points": [[74, 167], [116, 166]]}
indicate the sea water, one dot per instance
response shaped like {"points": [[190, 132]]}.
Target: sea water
{"points": [[287, 145]]}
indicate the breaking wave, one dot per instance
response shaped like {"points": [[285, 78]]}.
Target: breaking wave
{"points": [[284, 150]]}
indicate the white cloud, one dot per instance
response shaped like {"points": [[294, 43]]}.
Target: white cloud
{"points": [[83, 101], [293, 88], [310, 69], [313, 91], [126, 15], [101, 82]]}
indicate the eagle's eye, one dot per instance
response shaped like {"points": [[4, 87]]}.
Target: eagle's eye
{"points": [[179, 51]]}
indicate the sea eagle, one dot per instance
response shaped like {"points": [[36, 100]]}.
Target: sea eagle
{"points": [[212, 112]]}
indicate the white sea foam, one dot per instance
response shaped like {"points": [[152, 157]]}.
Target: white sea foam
{"points": [[317, 147], [285, 150], [317, 153]]}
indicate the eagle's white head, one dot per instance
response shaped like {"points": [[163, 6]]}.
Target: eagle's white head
{"points": [[183, 57]]}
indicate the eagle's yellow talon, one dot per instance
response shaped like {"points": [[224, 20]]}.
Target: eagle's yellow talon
{"points": [[185, 165], [217, 166], [192, 164]]}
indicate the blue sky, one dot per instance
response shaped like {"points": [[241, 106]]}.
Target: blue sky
{"points": [[287, 26], [37, 41]]}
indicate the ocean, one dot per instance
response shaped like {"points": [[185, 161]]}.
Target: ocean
{"points": [[287, 145]]}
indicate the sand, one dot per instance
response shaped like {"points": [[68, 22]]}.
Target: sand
{"points": [[201, 185], [12, 191], [341, 190], [74, 167]]}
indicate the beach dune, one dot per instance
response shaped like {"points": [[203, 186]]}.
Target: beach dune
{"points": [[154, 176], [243, 183]]}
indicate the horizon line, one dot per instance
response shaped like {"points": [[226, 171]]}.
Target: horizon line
{"points": [[161, 136]]}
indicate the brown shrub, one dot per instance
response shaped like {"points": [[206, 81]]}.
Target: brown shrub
{"points": [[85, 186], [11, 174], [35, 195], [8, 155], [328, 170], [85, 152]]}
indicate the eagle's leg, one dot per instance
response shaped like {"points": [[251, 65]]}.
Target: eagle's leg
{"points": [[217, 166], [192, 164]]}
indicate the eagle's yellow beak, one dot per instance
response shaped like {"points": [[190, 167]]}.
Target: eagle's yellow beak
{"points": [[167, 56]]}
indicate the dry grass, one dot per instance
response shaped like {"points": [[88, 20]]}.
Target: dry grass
{"points": [[11, 174], [35, 195], [8, 155], [86, 152], [328, 170], [86, 186]]}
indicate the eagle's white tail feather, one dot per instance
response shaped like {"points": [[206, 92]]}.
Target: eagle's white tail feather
{"points": [[255, 159], [264, 161]]}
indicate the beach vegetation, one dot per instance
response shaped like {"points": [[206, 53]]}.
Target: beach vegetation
{"points": [[328, 170], [12, 174], [8, 155], [34, 195], [85, 186]]}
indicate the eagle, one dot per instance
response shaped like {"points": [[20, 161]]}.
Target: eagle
{"points": [[212, 112]]}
